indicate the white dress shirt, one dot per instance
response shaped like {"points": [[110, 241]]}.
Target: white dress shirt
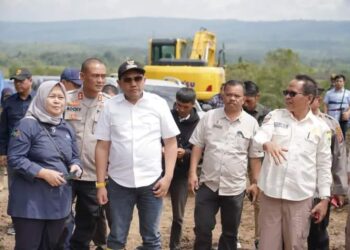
{"points": [[308, 160], [135, 132]]}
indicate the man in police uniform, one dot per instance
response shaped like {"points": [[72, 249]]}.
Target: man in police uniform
{"points": [[318, 236], [84, 106]]}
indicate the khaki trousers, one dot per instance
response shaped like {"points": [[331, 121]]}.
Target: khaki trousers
{"points": [[283, 224]]}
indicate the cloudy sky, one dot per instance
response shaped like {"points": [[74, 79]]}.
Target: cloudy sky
{"points": [[250, 10]]}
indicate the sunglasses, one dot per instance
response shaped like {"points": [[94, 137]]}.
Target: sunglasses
{"points": [[290, 93], [130, 79]]}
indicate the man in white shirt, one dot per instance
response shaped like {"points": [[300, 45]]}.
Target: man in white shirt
{"points": [[297, 161], [129, 135]]}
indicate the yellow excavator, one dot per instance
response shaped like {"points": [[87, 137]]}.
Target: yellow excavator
{"points": [[195, 66]]}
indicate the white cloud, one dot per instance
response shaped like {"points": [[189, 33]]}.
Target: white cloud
{"points": [[53, 10]]}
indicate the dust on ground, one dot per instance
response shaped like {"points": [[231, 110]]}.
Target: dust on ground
{"points": [[246, 231]]}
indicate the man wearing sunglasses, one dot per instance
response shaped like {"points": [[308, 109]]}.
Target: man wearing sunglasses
{"points": [[297, 161], [129, 137]]}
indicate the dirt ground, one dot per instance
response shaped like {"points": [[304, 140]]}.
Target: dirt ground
{"points": [[246, 231]]}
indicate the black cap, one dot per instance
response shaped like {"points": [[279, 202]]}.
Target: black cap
{"points": [[129, 65], [21, 74]]}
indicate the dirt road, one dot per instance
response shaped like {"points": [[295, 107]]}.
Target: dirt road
{"points": [[246, 232]]}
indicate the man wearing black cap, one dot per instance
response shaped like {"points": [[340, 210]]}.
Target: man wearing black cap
{"points": [[129, 134], [14, 109], [70, 78]]}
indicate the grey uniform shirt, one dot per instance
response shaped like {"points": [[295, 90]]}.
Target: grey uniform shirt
{"points": [[82, 114], [339, 159], [227, 146]]}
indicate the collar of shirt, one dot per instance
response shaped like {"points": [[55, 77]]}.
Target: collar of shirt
{"points": [[222, 115], [309, 115], [29, 97], [185, 118]]}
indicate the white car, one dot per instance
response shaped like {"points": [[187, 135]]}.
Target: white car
{"points": [[164, 88]]}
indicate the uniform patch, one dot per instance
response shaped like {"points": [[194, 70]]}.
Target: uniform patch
{"points": [[280, 125], [73, 109], [16, 133], [329, 137], [339, 134]]}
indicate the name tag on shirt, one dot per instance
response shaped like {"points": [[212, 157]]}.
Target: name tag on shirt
{"points": [[280, 125]]}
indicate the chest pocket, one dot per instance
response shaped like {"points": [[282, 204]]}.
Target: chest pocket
{"points": [[310, 144], [241, 140], [96, 118]]}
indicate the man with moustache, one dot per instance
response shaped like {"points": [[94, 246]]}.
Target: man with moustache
{"points": [[129, 137], [83, 110], [225, 135], [297, 161]]}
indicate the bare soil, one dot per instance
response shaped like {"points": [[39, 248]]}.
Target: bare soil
{"points": [[246, 232]]}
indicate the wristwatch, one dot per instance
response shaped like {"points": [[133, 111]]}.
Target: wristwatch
{"points": [[325, 198]]}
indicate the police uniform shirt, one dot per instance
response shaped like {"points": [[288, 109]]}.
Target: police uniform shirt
{"points": [[82, 113], [135, 132], [339, 159], [227, 146], [308, 160]]}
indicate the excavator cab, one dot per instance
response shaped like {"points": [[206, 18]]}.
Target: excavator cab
{"points": [[166, 49], [193, 63]]}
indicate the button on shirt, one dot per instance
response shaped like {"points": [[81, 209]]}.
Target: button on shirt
{"points": [[227, 146], [308, 160], [82, 114], [135, 132], [14, 110]]}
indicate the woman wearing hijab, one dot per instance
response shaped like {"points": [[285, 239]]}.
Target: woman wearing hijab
{"points": [[43, 156]]}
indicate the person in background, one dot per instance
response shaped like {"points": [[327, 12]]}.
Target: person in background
{"points": [[225, 135], [84, 107], [217, 101], [43, 156], [318, 237], [331, 81], [258, 111], [70, 78], [337, 103], [251, 104], [14, 109], [110, 90], [297, 161], [5, 93], [129, 135], [186, 118]]}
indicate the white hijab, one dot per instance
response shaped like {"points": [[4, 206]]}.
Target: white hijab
{"points": [[37, 107]]}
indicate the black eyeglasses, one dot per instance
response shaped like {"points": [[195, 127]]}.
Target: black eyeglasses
{"points": [[290, 93], [130, 79]]}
